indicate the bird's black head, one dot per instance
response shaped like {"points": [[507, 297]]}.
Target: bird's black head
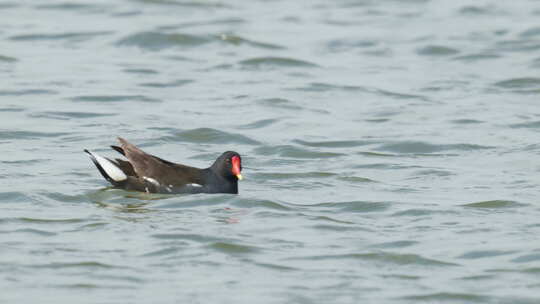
{"points": [[228, 165]]}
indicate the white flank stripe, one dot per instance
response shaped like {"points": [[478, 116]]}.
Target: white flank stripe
{"points": [[151, 180], [194, 185], [113, 171]]}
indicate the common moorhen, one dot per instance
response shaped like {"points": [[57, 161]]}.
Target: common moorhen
{"points": [[148, 173]]}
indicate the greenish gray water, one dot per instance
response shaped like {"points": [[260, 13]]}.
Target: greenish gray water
{"points": [[390, 151]]}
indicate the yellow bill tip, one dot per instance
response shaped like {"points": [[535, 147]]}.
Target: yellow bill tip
{"points": [[239, 176]]}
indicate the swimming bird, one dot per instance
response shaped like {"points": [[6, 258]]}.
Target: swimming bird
{"points": [[144, 172]]}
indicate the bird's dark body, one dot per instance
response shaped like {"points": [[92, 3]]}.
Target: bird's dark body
{"points": [[148, 173]]}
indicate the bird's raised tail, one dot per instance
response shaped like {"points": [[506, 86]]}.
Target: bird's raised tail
{"points": [[107, 168]]}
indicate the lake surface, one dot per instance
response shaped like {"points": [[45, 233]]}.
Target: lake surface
{"points": [[391, 151]]}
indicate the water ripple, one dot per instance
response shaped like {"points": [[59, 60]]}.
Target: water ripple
{"points": [[237, 40], [70, 7], [281, 175], [383, 257], [335, 143], [260, 203], [279, 103], [85, 264], [477, 57], [49, 221], [113, 98], [29, 134], [532, 125], [155, 41], [356, 179], [90, 286], [16, 196], [417, 147], [326, 218], [449, 297], [184, 3], [27, 92], [340, 228], [204, 22], [31, 231], [233, 248], [172, 84], [423, 212], [521, 85], [294, 152], [396, 244], [353, 206], [77, 36], [188, 236], [466, 121], [276, 267], [209, 135], [114, 277], [437, 50], [475, 10], [519, 45], [342, 45], [142, 71], [276, 62], [69, 115], [494, 204], [7, 59], [324, 87], [12, 109], [527, 258], [190, 201], [8, 5], [259, 124], [532, 32], [480, 254]]}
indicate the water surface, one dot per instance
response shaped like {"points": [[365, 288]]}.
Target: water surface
{"points": [[389, 151]]}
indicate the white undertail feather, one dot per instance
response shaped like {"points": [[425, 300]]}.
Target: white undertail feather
{"points": [[111, 169]]}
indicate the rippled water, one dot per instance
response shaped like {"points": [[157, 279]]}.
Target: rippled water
{"points": [[390, 151]]}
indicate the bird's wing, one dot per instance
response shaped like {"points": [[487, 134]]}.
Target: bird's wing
{"points": [[156, 170]]}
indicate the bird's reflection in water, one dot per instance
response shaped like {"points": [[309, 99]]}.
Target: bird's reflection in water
{"points": [[123, 201], [231, 216]]}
